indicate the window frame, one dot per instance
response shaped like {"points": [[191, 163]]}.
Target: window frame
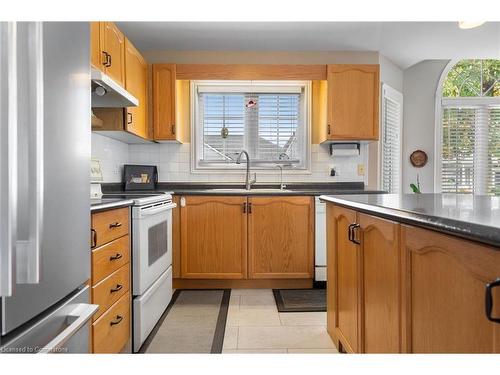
{"points": [[196, 131], [440, 103]]}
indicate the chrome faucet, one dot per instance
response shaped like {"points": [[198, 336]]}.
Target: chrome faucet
{"points": [[282, 185], [248, 181]]}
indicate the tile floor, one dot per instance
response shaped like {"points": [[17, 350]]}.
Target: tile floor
{"points": [[254, 325]]}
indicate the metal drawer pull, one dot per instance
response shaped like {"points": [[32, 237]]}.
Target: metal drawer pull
{"points": [[94, 238], [349, 235], [115, 257], [116, 289], [245, 207], [489, 300], [118, 320], [115, 225]]}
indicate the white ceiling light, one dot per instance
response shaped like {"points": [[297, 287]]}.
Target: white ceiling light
{"points": [[469, 24]]}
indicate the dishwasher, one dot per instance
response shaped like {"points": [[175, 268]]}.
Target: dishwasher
{"points": [[320, 241]]}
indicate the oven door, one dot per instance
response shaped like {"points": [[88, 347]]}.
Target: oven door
{"points": [[152, 244]]}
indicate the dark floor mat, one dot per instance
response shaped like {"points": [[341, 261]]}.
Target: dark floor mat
{"points": [[300, 300]]}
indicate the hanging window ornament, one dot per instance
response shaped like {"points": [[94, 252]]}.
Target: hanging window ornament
{"points": [[251, 103], [224, 132]]}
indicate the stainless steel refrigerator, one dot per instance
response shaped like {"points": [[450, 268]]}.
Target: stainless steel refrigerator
{"points": [[44, 187]]}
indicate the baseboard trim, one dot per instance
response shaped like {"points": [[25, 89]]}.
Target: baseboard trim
{"points": [[243, 284]]}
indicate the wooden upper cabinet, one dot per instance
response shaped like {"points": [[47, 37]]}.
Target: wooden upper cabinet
{"points": [[353, 102], [97, 58], [280, 237], [444, 297], [114, 46], [164, 120], [136, 78], [344, 292], [213, 237], [381, 285]]}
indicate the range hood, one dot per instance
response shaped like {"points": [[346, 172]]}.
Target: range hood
{"points": [[109, 94]]}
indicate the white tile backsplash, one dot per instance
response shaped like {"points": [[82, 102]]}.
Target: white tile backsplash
{"points": [[173, 161]]}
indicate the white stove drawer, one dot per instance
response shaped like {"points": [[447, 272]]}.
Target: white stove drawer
{"points": [[149, 307]]}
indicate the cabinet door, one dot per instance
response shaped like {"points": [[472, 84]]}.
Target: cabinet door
{"points": [[114, 45], [381, 285], [345, 288], [136, 77], [353, 102], [97, 58], [164, 102], [214, 238], [280, 237], [444, 295]]}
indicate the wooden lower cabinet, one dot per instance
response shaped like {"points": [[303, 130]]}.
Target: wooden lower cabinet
{"points": [[213, 237], [380, 285], [394, 288], [343, 289], [444, 298], [280, 237], [111, 331]]}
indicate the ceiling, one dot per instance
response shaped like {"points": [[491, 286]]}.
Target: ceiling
{"points": [[405, 43]]}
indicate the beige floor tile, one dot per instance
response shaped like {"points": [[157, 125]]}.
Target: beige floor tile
{"points": [[258, 301], [254, 351], [246, 292], [230, 338], [253, 318], [303, 319], [290, 337], [313, 351]]}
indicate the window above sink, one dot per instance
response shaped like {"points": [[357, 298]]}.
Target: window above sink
{"points": [[270, 119]]}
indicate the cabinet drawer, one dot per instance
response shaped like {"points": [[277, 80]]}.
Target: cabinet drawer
{"points": [[108, 258], [109, 290], [109, 225], [112, 330]]}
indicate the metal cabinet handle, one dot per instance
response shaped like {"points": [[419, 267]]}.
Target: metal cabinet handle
{"points": [[105, 62], [489, 300], [130, 118], [115, 225], [354, 227], [329, 128], [93, 242], [249, 207], [173, 129], [110, 61], [116, 289], [115, 257], [245, 207], [349, 233], [118, 320]]}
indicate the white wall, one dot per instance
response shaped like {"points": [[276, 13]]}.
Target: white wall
{"points": [[420, 82]]}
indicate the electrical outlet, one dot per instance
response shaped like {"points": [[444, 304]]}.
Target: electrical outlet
{"points": [[361, 169]]}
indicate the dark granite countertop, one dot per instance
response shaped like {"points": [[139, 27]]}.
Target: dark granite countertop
{"points": [[197, 188], [98, 204], [473, 217]]}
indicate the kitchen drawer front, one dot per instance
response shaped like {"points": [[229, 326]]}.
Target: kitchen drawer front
{"points": [[112, 330], [109, 225], [108, 258], [110, 290]]}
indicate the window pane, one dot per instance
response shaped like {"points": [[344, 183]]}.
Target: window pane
{"points": [[473, 78]]}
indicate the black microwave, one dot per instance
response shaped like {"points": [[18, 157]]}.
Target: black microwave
{"points": [[140, 177]]}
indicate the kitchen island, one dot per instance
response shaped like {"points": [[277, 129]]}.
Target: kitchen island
{"points": [[413, 273]]}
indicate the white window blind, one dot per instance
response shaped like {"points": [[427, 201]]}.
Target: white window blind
{"points": [[392, 110], [470, 149], [271, 126]]}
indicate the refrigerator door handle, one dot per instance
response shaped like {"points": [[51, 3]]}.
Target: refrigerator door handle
{"points": [[78, 318], [8, 154], [29, 242]]}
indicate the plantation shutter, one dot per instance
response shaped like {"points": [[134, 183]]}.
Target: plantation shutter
{"points": [[493, 166], [459, 143], [392, 105]]}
